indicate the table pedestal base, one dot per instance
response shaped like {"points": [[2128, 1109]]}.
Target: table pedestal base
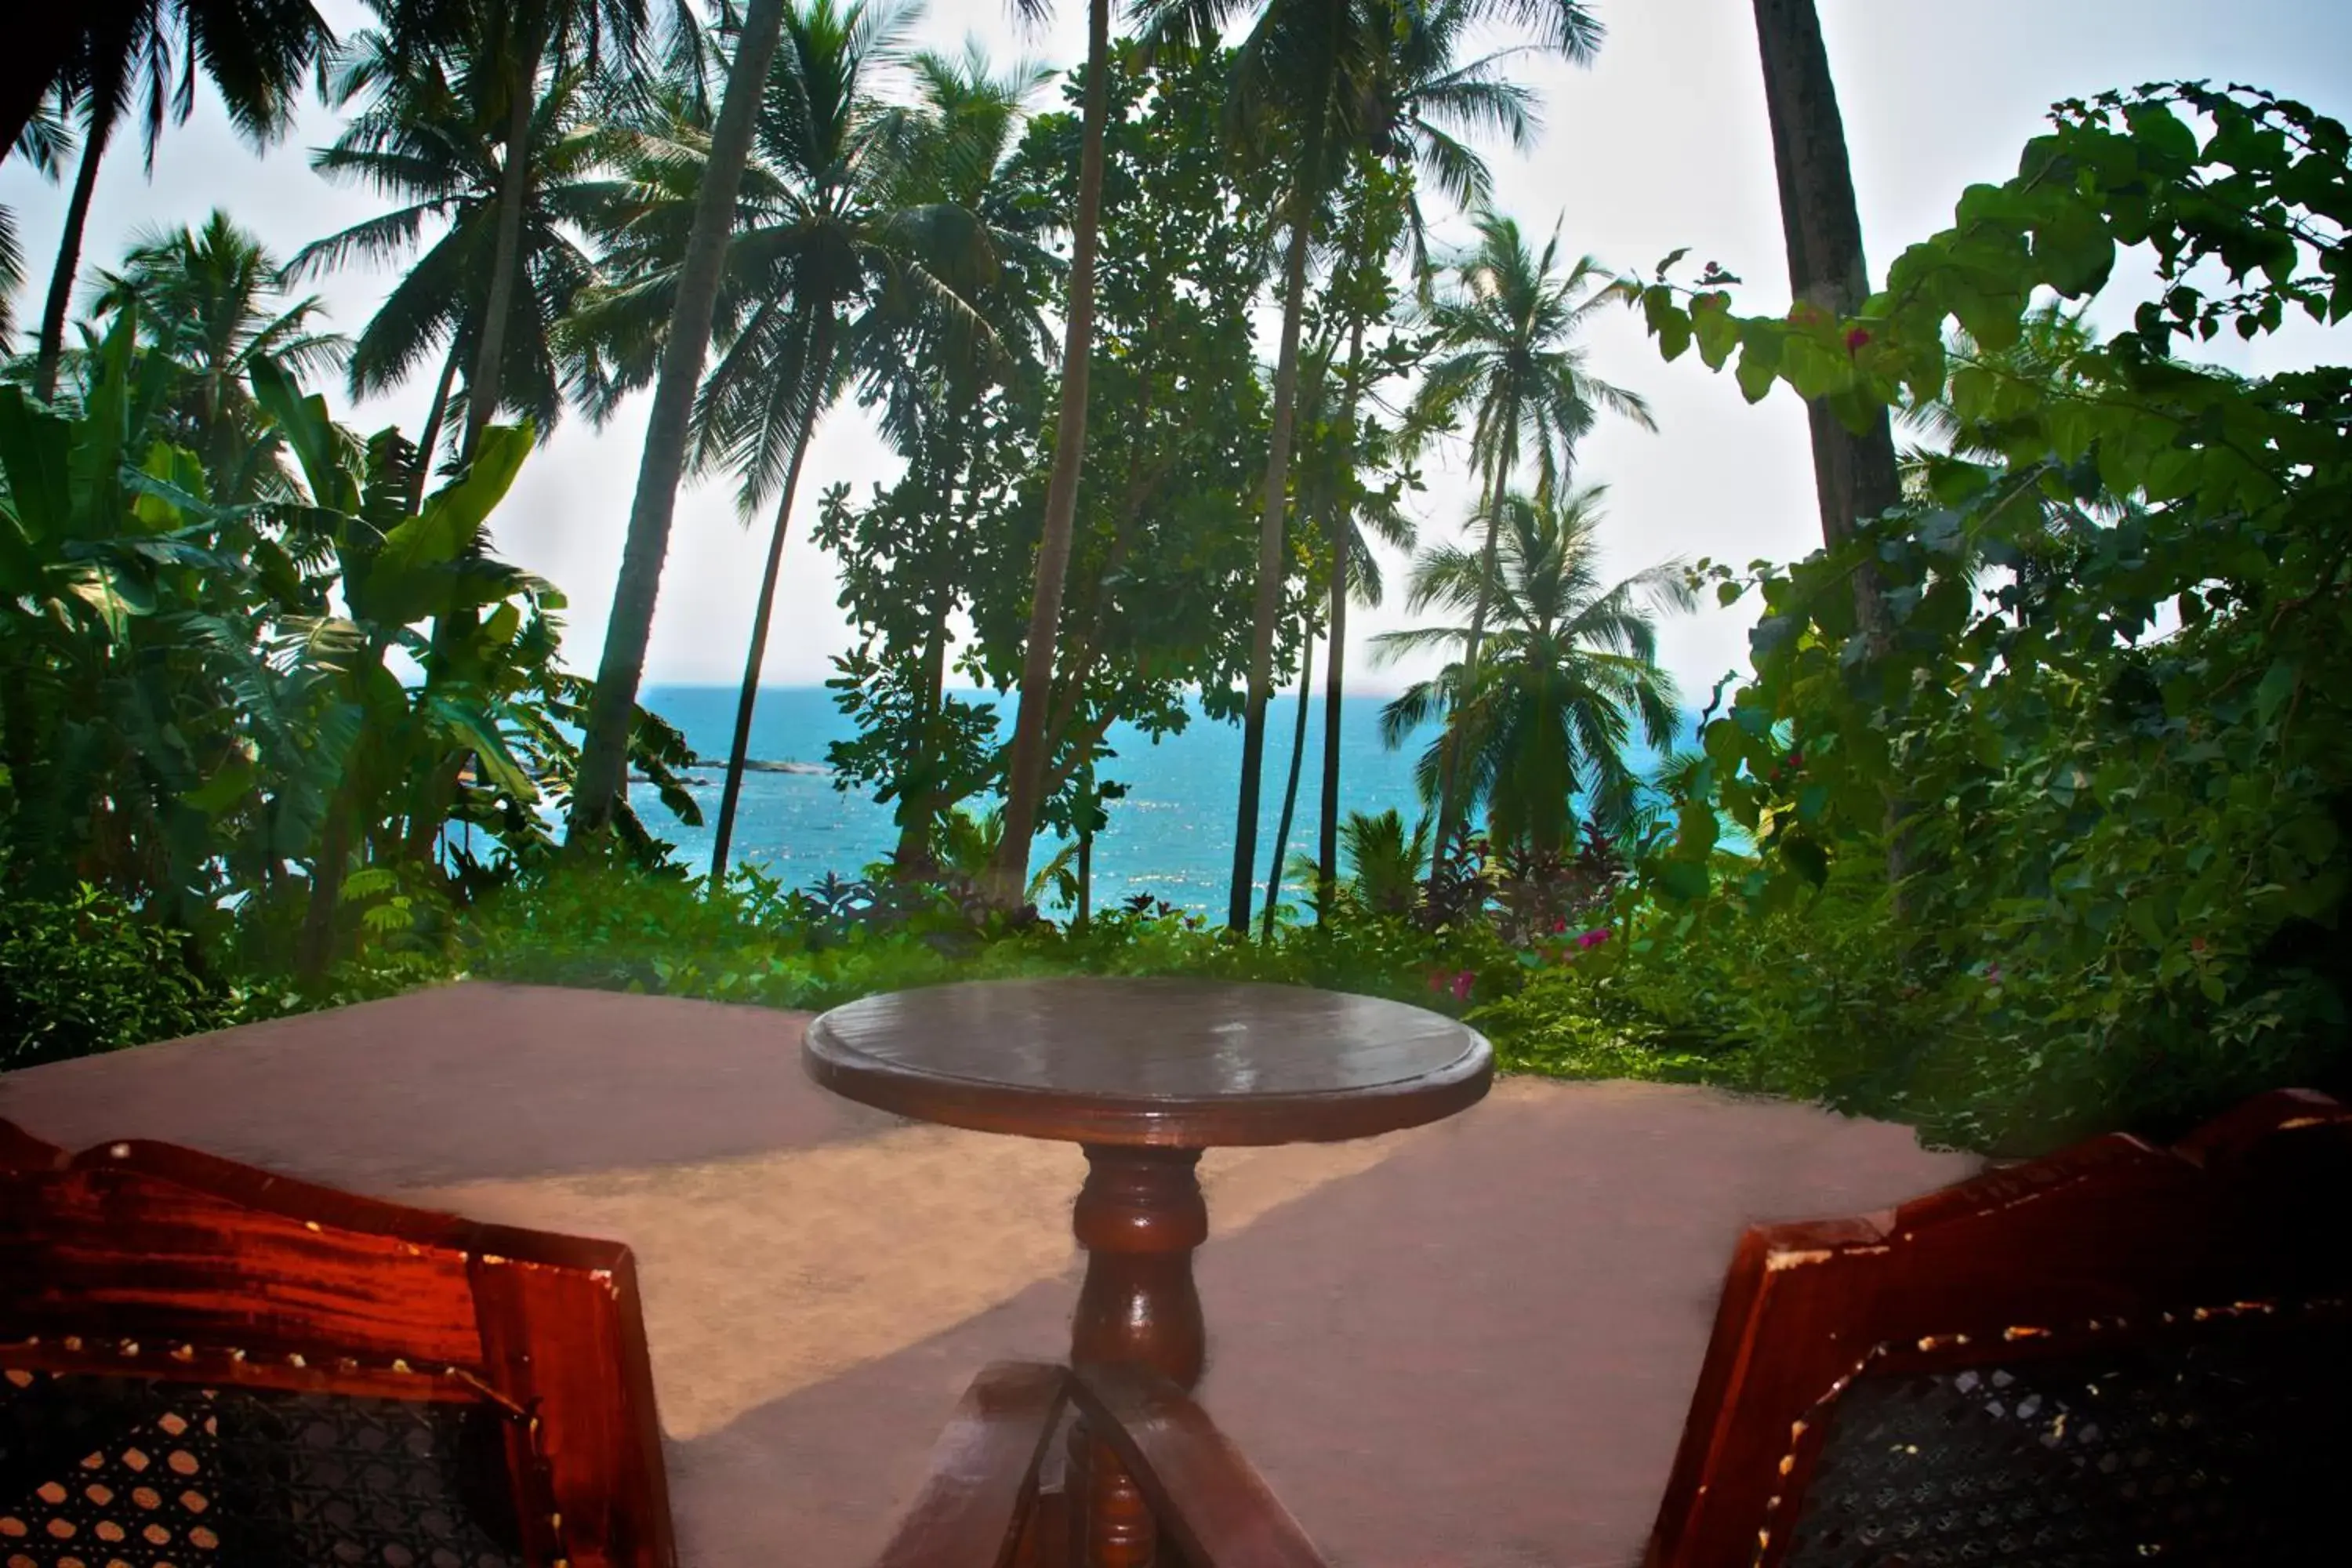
{"points": [[1140, 1216]]}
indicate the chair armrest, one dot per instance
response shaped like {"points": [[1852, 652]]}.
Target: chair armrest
{"points": [[984, 1472], [1200, 1488]]}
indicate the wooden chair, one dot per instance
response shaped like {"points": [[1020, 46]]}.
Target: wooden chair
{"points": [[2119, 1354], [202, 1363]]}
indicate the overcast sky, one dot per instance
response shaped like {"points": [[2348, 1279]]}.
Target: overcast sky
{"points": [[1662, 145]]}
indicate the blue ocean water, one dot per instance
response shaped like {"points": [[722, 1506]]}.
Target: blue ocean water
{"points": [[1171, 836]]}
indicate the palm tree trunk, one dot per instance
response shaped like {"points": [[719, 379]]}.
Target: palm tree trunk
{"points": [[1289, 790], [1086, 910], [51, 349], [315, 948], [1327, 833], [1498, 478], [604, 744], [1269, 529], [1448, 780], [432, 436], [1343, 535], [739, 748], [506, 257], [1008, 876], [1854, 475]]}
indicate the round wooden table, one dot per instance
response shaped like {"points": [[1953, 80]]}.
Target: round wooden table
{"points": [[1144, 1075]]}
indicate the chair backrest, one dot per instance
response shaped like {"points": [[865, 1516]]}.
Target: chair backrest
{"points": [[203, 1363], [2119, 1354]]}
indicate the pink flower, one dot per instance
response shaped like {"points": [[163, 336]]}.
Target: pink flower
{"points": [[1558, 926], [1855, 339], [1592, 938], [1992, 973], [1462, 983]]}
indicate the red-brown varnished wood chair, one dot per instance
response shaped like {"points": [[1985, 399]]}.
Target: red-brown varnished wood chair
{"points": [[2121, 1355], [202, 1363]]}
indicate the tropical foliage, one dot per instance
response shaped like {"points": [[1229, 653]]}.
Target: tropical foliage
{"points": [[2030, 818], [1567, 682], [2112, 694], [201, 716]]}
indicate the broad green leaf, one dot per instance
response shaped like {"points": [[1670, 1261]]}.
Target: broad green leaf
{"points": [[1668, 321], [1713, 324], [308, 429], [1683, 880], [36, 456], [226, 788]]}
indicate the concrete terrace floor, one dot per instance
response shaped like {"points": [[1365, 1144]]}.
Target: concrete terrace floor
{"points": [[1469, 1346]]}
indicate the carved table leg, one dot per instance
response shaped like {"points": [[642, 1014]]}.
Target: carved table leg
{"points": [[1140, 1216]]}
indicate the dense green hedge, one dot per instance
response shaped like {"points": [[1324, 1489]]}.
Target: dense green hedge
{"points": [[79, 975], [1814, 1003]]}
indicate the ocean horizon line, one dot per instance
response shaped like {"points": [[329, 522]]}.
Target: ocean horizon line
{"points": [[1353, 691]]}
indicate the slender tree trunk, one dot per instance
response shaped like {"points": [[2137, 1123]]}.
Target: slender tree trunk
{"points": [[745, 704], [1854, 475], [1343, 535], [506, 257], [1498, 480], [315, 948], [1008, 877], [51, 349], [1326, 834], [915, 815], [604, 746], [1289, 790], [1086, 910], [1449, 804], [432, 436], [915, 819], [1273, 507]]}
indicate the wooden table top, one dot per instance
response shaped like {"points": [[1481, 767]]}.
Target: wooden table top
{"points": [[1166, 1063]]}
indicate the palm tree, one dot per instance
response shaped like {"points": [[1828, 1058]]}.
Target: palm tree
{"points": [[1026, 767], [1505, 332], [926, 366], [1307, 81], [843, 238], [211, 300], [1570, 672], [1412, 84], [1384, 859], [685, 344], [507, 47], [1330, 490], [427, 139], [255, 52]]}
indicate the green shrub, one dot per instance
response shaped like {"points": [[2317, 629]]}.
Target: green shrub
{"points": [[619, 929], [1823, 1002], [84, 974]]}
